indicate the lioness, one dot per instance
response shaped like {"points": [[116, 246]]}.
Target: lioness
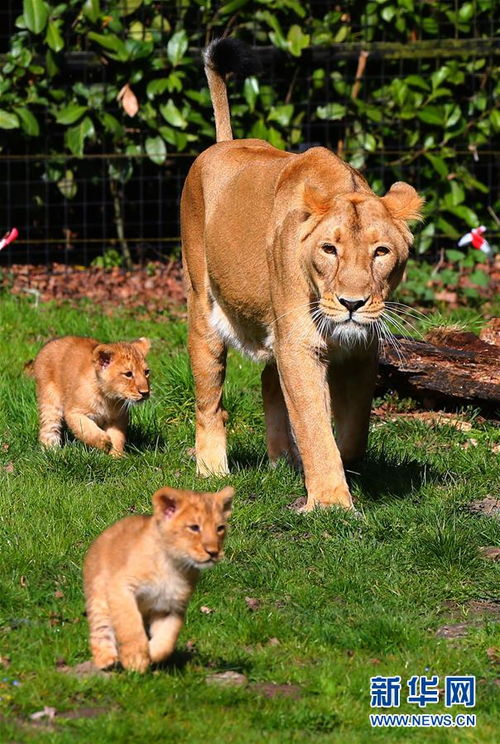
{"points": [[289, 258]]}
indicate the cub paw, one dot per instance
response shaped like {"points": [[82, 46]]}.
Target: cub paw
{"points": [[104, 659], [135, 661]]}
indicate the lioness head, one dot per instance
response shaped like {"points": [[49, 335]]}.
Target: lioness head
{"points": [[354, 250]]}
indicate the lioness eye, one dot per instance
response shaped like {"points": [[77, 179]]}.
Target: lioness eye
{"points": [[194, 527], [329, 248], [221, 528], [128, 374], [146, 372], [381, 251]]}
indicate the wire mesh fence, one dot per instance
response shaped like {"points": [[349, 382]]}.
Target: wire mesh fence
{"points": [[76, 221]]}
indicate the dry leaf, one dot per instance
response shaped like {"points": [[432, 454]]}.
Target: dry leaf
{"points": [[206, 610], [273, 642], [47, 712], [253, 604], [58, 594], [229, 679], [9, 468], [128, 100], [490, 552], [493, 655]]}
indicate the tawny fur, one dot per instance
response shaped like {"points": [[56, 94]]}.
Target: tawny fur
{"points": [[258, 229], [90, 386], [140, 573]]}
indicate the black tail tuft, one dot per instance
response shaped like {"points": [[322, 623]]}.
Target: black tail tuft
{"points": [[232, 55]]}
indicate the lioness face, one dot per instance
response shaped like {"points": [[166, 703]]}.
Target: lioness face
{"points": [[354, 257]]}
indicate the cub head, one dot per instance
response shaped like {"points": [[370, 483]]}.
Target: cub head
{"points": [[122, 370], [354, 248], [192, 525]]}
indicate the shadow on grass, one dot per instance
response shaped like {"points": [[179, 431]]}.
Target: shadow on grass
{"points": [[378, 476], [144, 440]]}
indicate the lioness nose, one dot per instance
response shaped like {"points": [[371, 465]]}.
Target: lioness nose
{"points": [[351, 305], [144, 393], [213, 553]]}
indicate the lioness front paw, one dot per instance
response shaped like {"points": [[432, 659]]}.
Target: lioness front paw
{"points": [[207, 465], [341, 496]]}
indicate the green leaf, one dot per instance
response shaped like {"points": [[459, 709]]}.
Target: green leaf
{"points": [[110, 42], [156, 150], [251, 91], [177, 47], [127, 7], [172, 115], [157, 87], [438, 164], [91, 10], [282, 114], [67, 185], [53, 36], [29, 123], [232, 6], [111, 124], [297, 40], [331, 111], [35, 14], [465, 213], [70, 114], [453, 255], [8, 121], [432, 115], [480, 278], [75, 136]]}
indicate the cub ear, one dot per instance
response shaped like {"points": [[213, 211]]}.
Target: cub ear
{"points": [[225, 497], [403, 202], [143, 345], [102, 356], [166, 502], [315, 201]]}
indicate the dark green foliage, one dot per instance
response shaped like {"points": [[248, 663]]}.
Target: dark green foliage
{"points": [[428, 123]]}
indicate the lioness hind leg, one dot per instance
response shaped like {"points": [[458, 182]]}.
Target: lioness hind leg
{"points": [[279, 436], [351, 389], [207, 352]]}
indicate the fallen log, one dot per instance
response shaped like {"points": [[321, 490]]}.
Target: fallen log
{"points": [[449, 370]]}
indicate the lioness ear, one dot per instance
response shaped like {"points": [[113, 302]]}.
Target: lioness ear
{"points": [[166, 502], [102, 356], [225, 497], [143, 345], [403, 202], [315, 201]]}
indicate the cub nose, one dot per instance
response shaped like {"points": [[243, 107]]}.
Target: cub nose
{"points": [[144, 393], [214, 553], [352, 305]]}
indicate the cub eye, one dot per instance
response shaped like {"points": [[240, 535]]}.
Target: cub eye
{"points": [[128, 374], [146, 373], [381, 250], [329, 248], [194, 527], [221, 528]]}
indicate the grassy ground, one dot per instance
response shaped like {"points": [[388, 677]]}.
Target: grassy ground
{"points": [[339, 599]]}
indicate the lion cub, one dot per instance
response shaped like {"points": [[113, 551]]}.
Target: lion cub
{"points": [[140, 573], [91, 386]]}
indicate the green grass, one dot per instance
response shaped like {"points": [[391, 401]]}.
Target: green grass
{"points": [[346, 598]]}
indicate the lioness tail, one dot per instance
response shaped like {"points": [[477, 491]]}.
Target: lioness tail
{"points": [[221, 57]]}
